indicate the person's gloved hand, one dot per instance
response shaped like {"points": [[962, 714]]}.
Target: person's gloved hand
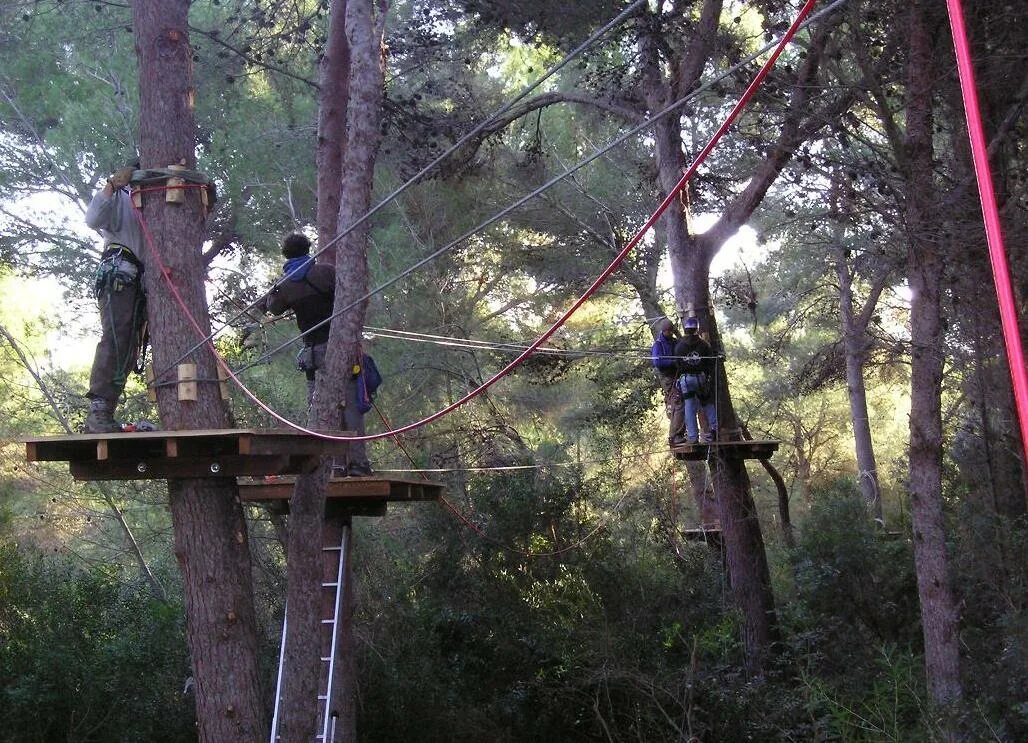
{"points": [[121, 177]]}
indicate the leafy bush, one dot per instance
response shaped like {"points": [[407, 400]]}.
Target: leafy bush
{"points": [[85, 657]]}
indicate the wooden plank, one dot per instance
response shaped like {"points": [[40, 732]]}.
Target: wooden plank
{"points": [[702, 535], [83, 446], [377, 489], [185, 468], [187, 382], [171, 447], [101, 449], [757, 449]]}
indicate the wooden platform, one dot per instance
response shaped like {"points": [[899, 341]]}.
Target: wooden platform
{"points": [[162, 455], [711, 536], [358, 496], [762, 449]]}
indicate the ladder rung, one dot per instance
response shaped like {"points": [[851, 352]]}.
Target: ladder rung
{"points": [[330, 549], [328, 621], [330, 585], [322, 697], [326, 659]]}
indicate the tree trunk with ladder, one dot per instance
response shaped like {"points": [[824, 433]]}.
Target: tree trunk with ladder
{"points": [[743, 540], [210, 532], [303, 664]]}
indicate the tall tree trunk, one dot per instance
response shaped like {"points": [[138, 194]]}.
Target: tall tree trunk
{"points": [[855, 346], [939, 614], [334, 383], [210, 532], [690, 266], [740, 527], [365, 29], [333, 102], [302, 658]]}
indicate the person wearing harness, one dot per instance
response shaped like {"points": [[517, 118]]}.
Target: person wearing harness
{"points": [[118, 290], [696, 380], [308, 289], [662, 356]]}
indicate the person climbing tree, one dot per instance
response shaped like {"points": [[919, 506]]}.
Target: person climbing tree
{"points": [[308, 289], [696, 369], [663, 358], [118, 290]]}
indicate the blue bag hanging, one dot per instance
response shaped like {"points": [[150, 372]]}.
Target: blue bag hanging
{"points": [[368, 381]]}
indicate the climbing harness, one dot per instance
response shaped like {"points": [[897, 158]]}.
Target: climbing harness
{"points": [[694, 385], [118, 267]]}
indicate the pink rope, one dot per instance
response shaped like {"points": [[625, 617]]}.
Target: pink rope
{"points": [[751, 89], [993, 227]]}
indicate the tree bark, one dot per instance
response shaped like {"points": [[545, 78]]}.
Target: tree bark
{"points": [[690, 265], [335, 91], [855, 345], [210, 532], [939, 613], [364, 110]]}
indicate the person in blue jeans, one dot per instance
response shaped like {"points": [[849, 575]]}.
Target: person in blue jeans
{"points": [[696, 381]]}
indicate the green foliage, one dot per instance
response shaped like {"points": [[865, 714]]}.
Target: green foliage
{"points": [[505, 647], [86, 657], [890, 708], [856, 582]]}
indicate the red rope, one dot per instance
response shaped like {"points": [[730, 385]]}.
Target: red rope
{"points": [[990, 212], [672, 196]]}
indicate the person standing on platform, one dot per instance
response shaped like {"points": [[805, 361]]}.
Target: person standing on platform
{"points": [[696, 381], [308, 289], [118, 290], [662, 356]]}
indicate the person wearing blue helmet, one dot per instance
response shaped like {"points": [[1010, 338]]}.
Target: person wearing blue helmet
{"points": [[696, 381]]}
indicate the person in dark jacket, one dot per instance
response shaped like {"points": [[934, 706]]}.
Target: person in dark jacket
{"points": [[118, 290], [696, 381], [308, 289], [662, 356]]}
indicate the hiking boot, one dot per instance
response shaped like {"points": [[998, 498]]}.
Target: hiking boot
{"points": [[678, 440], [359, 470], [100, 418], [101, 423]]}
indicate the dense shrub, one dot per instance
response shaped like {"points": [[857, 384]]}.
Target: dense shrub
{"points": [[86, 657]]}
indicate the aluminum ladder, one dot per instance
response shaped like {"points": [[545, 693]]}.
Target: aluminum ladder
{"points": [[335, 551]]}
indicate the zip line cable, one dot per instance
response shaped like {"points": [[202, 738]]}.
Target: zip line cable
{"points": [[585, 45], [748, 94], [546, 186], [476, 345]]}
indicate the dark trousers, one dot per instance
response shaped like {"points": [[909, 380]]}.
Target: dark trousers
{"points": [[353, 419], [119, 339], [673, 406]]}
